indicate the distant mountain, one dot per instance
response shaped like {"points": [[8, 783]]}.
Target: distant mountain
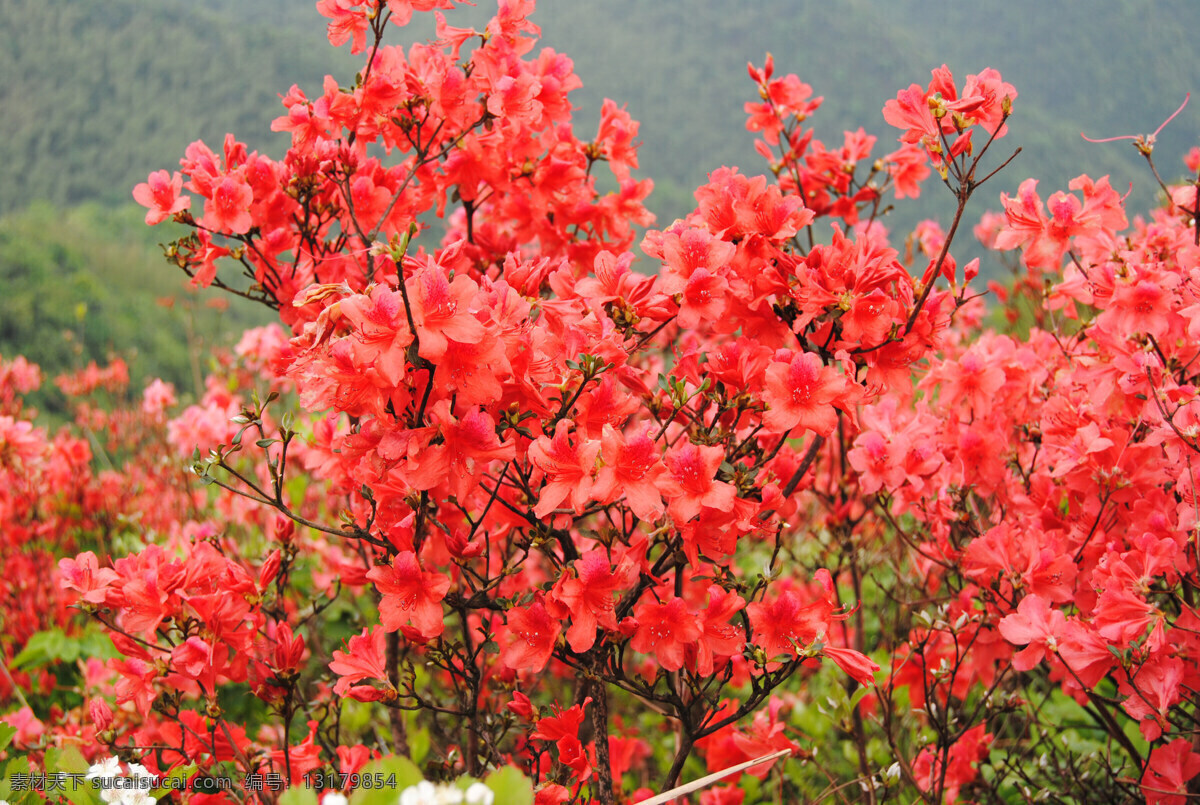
{"points": [[1106, 68], [97, 93]]}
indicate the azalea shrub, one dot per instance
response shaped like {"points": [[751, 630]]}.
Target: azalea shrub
{"points": [[502, 507]]}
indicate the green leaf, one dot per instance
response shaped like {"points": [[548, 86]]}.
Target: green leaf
{"points": [[97, 644], [6, 735], [465, 782], [406, 773], [44, 648], [23, 797], [418, 744], [177, 778], [858, 696], [53, 646], [67, 759], [510, 786], [297, 795], [6, 774], [71, 761], [752, 786]]}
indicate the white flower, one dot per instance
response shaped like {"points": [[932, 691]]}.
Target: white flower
{"points": [[423, 793], [117, 788], [426, 793], [480, 794], [109, 767], [146, 778], [335, 798]]}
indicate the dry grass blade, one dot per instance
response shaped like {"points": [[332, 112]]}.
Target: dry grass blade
{"points": [[704, 782]]}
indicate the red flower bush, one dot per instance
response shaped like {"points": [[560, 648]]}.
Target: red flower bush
{"points": [[533, 504]]}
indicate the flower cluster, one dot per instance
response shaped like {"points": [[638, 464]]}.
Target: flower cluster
{"points": [[122, 786], [932, 115], [426, 793]]}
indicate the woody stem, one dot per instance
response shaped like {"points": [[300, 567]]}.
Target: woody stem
{"points": [[395, 714], [963, 196], [600, 729]]}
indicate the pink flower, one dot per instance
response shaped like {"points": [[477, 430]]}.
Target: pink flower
{"points": [[363, 659], [161, 194], [563, 729], [347, 22], [632, 468], [718, 637], [1170, 769], [788, 624], [84, 575], [441, 310], [410, 595], [692, 485], [858, 665], [927, 114], [381, 333], [666, 631], [962, 764], [568, 467], [908, 166], [1036, 624], [228, 210], [802, 393], [588, 596], [530, 637], [157, 398]]}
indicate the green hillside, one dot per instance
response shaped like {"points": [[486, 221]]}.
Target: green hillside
{"points": [[83, 284], [97, 93]]}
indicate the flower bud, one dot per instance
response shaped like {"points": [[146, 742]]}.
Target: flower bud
{"points": [[269, 570], [285, 529], [521, 706], [101, 714]]}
